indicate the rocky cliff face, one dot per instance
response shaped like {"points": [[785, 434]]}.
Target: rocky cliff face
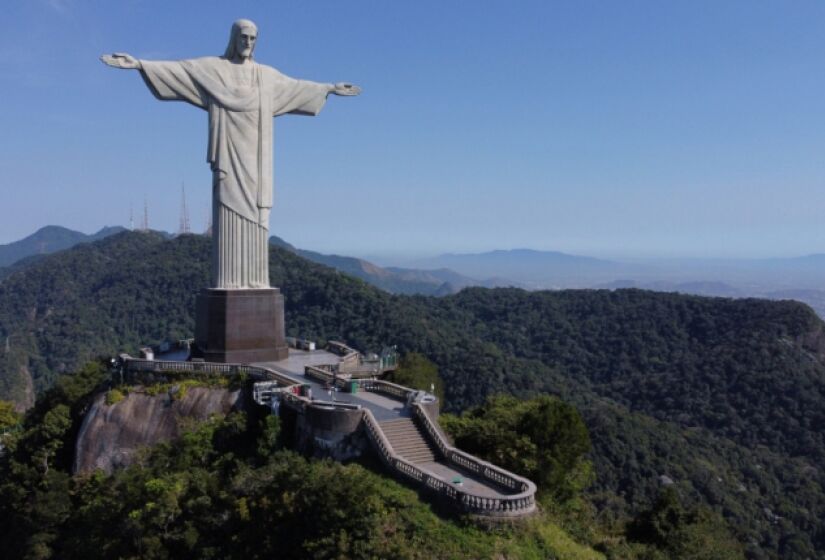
{"points": [[111, 435]]}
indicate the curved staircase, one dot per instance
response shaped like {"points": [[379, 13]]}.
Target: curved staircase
{"points": [[408, 441]]}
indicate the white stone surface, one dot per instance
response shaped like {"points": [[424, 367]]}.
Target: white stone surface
{"points": [[240, 97]]}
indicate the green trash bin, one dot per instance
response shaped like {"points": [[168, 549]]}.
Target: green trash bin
{"points": [[353, 387]]}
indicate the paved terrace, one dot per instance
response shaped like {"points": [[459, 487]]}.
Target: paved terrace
{"points": [[383, 408]]}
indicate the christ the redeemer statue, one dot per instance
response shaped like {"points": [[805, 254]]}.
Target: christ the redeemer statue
{"points": [[241, 97]]}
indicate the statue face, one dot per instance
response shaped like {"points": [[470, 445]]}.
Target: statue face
{"points": [[246, 42]]}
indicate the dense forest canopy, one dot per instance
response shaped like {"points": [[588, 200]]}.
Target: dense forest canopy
{"points": [[725, 398]]}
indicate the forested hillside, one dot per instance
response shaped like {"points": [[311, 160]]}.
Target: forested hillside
{"points": [[725, 398]]}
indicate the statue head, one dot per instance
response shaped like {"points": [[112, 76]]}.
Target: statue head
{"points": [[242, 40]]}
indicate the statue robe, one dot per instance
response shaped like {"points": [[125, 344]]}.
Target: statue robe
{"points": [[239, 151]]}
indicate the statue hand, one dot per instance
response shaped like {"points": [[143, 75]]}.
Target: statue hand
{"points": [[343, 88], [120, 60]]}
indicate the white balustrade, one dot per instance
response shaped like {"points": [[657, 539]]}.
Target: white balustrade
{"points": [[524, 501]]}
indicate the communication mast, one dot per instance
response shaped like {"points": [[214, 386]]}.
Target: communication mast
{"points": [[208, 231], [184, 212], [145, 225]]}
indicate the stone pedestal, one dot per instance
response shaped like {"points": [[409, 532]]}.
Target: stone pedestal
{"points": [[240, 326]]}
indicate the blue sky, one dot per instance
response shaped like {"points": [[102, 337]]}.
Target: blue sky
{"points": [[633, 128]]}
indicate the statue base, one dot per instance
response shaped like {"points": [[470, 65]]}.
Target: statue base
{"points": [[240, 326]]}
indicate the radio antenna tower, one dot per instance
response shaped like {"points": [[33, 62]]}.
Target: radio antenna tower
{"points": [[184, 213], [208, 231], [131, 218], [145, 225]]}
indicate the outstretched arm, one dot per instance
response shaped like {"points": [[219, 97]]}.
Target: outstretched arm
{"points": [[301, 97], [121, 60], [167, 80], [343, 88]]}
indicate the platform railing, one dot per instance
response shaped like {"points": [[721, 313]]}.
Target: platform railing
{"points": [[324, 375], [159, 366], [516, 505], [523, 501], [398, 464], [372, 385], [392, 389]]}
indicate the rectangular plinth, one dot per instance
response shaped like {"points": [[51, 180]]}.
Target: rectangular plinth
{"points": [[240, 326]]}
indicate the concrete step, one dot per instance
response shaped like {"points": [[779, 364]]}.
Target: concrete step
{"points": [[401, 435], [411, 448], [398, 426], [404, 433], [403, 422], [407, 439], [412, 453], [402, 430], [415, 451]]}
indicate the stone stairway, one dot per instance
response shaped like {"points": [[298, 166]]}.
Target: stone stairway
{"points": [[408, 441]]}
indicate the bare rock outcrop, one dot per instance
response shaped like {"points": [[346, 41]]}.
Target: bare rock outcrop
{"points": [[111, 435]]}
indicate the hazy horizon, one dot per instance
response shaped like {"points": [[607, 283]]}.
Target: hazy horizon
{"points": [[403, 258]]}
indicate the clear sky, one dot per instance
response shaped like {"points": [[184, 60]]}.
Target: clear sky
{"points": [[609, 128]]}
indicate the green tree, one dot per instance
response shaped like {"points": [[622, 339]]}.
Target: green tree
{"points": [[681, 533], [9, 418], [418, 372], [543, 438]]}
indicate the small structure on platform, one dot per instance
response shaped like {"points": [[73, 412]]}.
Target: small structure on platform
{"points": [[300, 343]]}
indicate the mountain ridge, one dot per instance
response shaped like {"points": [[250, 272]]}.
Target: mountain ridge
{"points": [[50, 239]]}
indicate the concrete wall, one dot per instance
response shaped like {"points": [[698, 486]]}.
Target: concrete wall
{"points": [[322, 431]]}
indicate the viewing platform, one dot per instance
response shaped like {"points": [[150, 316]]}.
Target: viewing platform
{"points": [[337, 414]]}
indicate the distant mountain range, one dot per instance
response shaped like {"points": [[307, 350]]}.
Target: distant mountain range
{"points": [[799, 278], [438, 281], [530, 268], [719, 289], [813, 297], [49, 239]]}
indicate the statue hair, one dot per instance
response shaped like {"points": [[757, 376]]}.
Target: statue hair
{"points": [[237, 25]]}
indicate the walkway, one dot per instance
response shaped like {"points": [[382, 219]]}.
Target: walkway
{"points": [[384, 408]]}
